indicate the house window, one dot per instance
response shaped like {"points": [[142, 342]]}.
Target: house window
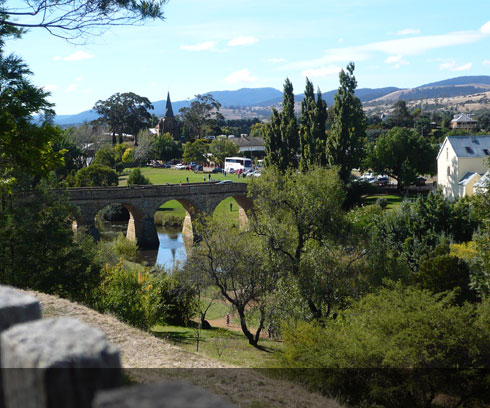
{"points": [[469, 150], [447, 153], [448, 171], [487, 153]]}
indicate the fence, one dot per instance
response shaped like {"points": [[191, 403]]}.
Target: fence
{"points": [[64, 363]]}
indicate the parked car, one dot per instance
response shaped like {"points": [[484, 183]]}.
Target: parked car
{"points": [[180, 166], [420, 181], [382, 180], [217, 170]]}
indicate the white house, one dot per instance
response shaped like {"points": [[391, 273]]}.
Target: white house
{"points": [[461, 163]]}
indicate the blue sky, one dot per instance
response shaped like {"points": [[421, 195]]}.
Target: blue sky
{"points": [[230, 44]]}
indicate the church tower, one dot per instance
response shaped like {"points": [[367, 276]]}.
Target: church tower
{"points": [[168, 123]]}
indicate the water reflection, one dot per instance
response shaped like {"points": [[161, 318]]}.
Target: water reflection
{"points": [[170, 253]]}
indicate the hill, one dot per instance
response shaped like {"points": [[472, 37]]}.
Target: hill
{"points": [[257, 102]]}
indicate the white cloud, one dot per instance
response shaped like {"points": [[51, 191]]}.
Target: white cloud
{"points": [[57, 58], [240, 76], [71, 88], [50, 87], [486, 62], [452, 66], [204, 46], [396, 60], [79, 79], [238, 41], [321, 72], [485, 28], [402, 47], [408, 31], [276, 60]]}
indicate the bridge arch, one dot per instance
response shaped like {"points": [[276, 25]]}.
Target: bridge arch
{"points": [[245, 205]]}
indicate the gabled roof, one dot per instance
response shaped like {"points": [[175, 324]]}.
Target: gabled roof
{"points": [[484, 182], [467, 178], [248, 141], [463, 118], [470, 146]]}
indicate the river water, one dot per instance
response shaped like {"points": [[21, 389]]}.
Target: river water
{"points": [[170, 253]]}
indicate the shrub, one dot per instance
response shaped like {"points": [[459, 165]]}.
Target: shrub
{"points": [[136, 178], [399, 347], [126, 248], [114, 212], [96, 175]]}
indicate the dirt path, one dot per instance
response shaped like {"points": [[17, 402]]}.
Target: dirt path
{"points": [[146, 358]]}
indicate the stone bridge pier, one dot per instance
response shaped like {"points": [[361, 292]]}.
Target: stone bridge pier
{"points": [[142, 203]]}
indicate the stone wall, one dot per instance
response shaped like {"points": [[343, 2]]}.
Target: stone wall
{"points": [[64, 363]]}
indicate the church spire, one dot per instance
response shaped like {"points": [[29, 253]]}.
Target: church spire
{"points": [[169, 113]]}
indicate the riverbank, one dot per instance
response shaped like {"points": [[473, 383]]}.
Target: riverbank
{"points": [[147, 359]]}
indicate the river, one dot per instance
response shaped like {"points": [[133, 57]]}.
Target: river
{"points": [[170, 253]]}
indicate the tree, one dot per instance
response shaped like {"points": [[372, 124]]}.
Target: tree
{"points": [[203, 113], [312, 128], [221, 148], [300, 218], [195, 151], [400, 116], [137, 178], [399, 347], [125, 113], [234, 261], [346, 137], [402, 154], [74, 20], [96, 175], [281, 134], [165, 148]]}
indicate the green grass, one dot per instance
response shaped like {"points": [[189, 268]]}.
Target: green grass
{"points": [[394, 201], [233, 345]]}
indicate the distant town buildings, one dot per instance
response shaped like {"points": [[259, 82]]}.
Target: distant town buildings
{"points": [[167, 124], [462, 165]]}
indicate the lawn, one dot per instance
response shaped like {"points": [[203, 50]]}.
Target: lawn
{"points": [[232, 345], [394, 201], [173, 208]]}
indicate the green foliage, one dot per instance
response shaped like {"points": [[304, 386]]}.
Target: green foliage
{"points": [[165, 148], [312, 129], [195, 151], [96, 175], [202, 115], [105, 156], [143, 299], [125, 113], [402, 154], [125, 248], [399, 347], [221, 148], [136, 178], [281, 134], [400, 116], [40, 251], [345, 139]]}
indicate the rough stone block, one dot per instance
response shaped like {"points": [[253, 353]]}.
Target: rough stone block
{"points": [[165, 395], [15, 307], [56, 363]]}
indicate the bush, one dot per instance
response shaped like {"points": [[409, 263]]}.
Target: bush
{"points": [[136, 178], [114, 212], [96, 175], [126, 248], [399, 347]]}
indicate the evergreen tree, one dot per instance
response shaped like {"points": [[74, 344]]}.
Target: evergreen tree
{"points": [[344, 141], [281, 134], [312, 129]]}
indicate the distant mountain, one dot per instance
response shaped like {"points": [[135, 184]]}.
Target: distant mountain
{"points": [[266, 97], [462, 80]]}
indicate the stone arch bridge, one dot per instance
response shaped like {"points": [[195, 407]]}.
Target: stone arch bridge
{"points": [[143, 201]]}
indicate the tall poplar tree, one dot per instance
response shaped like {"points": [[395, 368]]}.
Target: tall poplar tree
{"points": [[345, 139], [281, 134], [312, 129]]}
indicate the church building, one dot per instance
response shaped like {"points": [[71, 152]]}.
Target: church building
{"points": [[167, 124]]}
